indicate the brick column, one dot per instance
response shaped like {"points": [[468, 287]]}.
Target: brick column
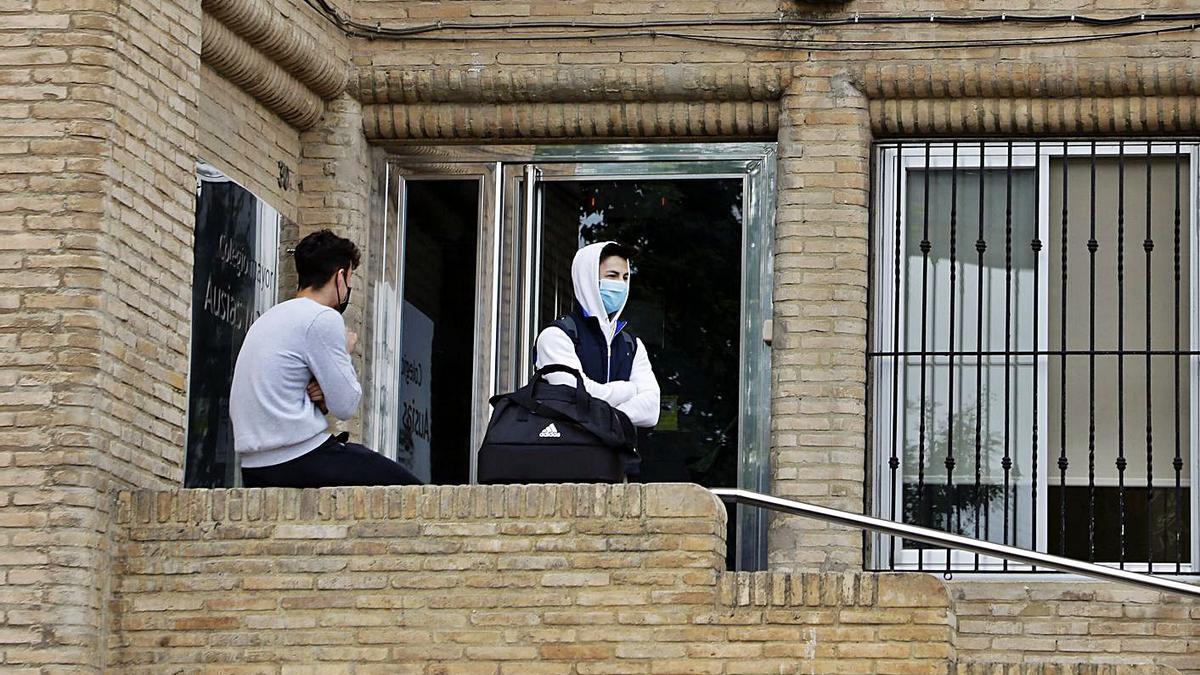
{"points": [[819, 374], [335, 174], [98, 102]]}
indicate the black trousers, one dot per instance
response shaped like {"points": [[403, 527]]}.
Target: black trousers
{"points": [[334, 463]]}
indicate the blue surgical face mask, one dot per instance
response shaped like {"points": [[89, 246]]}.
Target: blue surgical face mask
{"points": [[613, 293]]}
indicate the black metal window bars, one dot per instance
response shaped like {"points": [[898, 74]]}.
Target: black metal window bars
{"points": [[1033, 355]]}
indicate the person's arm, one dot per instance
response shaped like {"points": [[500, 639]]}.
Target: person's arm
{"points": [[317, 396], [555, 346], [643, 409], [329, 361]]}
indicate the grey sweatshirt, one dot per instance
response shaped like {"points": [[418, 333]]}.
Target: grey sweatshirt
{"points": [[273, 419]]}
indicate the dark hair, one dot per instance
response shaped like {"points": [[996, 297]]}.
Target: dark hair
{"points": [[321, 254], [619, 250]]}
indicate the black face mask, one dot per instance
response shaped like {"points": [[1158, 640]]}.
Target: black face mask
{"points": [[342, 304]]}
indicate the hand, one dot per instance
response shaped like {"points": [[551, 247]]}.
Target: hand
{"points": [[317, 396], [351, 341]]}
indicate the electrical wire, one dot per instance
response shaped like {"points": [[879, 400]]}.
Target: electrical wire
{"points": [[325, 8], [441, 31], [812, 44]]}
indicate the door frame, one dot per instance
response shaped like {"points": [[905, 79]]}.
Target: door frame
{"points": [[507, 254], [391, 228]]}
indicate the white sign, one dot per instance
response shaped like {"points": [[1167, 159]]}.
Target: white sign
{"points": [[416, 366]]}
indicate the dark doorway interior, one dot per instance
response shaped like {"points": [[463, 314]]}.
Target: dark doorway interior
{"points": [[685, 305], [440, 251]]}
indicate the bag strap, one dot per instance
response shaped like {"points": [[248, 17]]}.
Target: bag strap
{"points": [[567, 325], [524, 396], [558, 368]]}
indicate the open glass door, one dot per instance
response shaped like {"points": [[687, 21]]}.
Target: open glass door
{"points": [[431, 318], [701, 217], [699, 299]]}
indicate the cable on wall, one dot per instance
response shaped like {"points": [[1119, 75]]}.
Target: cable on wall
{"points": [[610, 30]]}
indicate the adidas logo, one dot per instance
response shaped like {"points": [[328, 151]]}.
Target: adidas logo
{"points": [[550, 431]]}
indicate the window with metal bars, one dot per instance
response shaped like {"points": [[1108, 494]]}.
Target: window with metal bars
{"points": [[1034, 349]]}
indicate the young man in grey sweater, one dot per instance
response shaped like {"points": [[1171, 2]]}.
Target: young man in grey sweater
{"points": [[293, 368]]}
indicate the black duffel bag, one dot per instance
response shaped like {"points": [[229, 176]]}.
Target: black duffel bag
{"points": [[547, 433]]}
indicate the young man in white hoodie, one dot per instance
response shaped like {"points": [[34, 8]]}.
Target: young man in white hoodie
{"points": [[593, 340], [294, 367]]}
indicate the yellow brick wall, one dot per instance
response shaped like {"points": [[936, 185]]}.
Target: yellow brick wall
{"points": [[569, 579], [97, 111], [246, 142], [554, 579], [299, 15], [662, 49], [818, 368], [1020, 621], [150, 212], [105, 106], [416, 11], [335, 176]]}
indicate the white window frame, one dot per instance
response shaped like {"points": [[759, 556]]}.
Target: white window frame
{"points": [[886, 201]]}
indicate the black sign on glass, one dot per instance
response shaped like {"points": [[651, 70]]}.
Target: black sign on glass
{"points": [[230, 287]]}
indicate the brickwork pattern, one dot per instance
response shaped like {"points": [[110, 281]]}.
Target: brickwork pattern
{"points": [[104, 107], [247, 141], [564, 121], [239, 62], [1081, 622], [566, 55], [1028, 79], [989, 668], [280, 51], [151, 213], [98, 102], [592, 102], [1118, 115], [421, 11], [819, 364], [545, 579], [319, 61], [335, 174], [582, 84]]}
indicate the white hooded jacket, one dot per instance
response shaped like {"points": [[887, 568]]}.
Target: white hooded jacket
{"points": [[637, 397]]}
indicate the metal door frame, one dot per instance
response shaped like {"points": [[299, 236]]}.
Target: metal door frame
{"points": [[510, 235]]}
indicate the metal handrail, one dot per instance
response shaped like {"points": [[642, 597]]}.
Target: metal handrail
{"points": [[936, 537]]}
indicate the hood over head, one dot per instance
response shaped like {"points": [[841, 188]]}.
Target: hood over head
{"points": [[585, 276]]}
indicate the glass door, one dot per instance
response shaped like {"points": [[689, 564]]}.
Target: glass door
{"points": [[684, 302], [430, 318], [699, 297], [701, 217]]}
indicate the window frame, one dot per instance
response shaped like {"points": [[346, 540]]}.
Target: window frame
{"points": [[889, 215]]}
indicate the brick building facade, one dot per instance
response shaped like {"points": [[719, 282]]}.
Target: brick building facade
{"points": [[105, 109]]}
